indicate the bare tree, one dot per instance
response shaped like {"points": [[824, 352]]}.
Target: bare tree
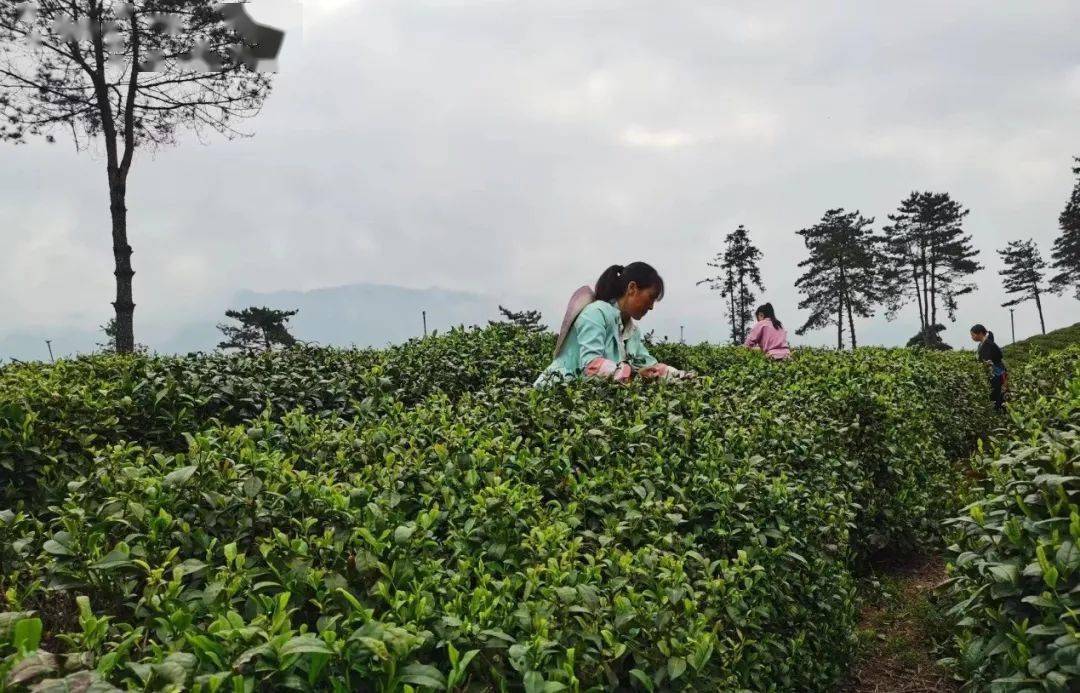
{"points": [[131, 75]]}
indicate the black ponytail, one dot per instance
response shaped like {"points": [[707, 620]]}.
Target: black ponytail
{"points": [[613, 283], [770, 314], [979, 328]]}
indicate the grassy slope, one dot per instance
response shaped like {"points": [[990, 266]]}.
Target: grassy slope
{"points": [[1021, 352]]}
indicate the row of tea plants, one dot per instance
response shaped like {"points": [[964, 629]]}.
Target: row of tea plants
{"points": [[54, 416], [404, 520], [1015, 565]]}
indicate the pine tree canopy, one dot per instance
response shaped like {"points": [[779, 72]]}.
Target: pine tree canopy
{"points": [[1023, 274], [1065, 254], [841, 279], [526, 319], [927, 258], [259, 329], [740, 273]]}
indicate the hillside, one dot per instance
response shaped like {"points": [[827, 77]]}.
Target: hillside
{"points": [[1022, 351]]}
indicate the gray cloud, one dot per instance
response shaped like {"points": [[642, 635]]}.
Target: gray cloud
{"points": [[516, 149]]}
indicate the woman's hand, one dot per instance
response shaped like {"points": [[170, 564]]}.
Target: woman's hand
{"points": [[653, 372], [660, 370]]}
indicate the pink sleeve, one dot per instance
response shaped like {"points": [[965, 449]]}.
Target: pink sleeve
{"points": [[601, 367], [754, 337]]}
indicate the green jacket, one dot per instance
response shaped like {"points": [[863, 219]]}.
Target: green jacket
{"points": [[598, 333]]}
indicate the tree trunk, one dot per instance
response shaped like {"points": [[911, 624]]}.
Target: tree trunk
{"points": [[117, 171], [742, 306], [841, 292], [1038, 304], [933, 294], [840, 323], [918, 296], [734, 333], [925, 282], [123, 305], [851, 324]]}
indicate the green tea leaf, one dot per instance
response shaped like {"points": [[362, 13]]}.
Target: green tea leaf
{"points": [[676, 666], [423, 675], [1068, 555], [26, 634], [34, 666], [179, 477], [307, 643]]}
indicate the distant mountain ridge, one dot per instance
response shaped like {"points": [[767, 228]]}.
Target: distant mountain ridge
{"points": [[373, 314], [359, 314]]}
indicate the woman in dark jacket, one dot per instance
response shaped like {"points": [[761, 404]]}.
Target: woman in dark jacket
{"points": [[990, 353]]}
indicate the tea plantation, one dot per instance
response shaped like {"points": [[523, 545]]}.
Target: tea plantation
{"points": [[1016, 561], [419, 518]]}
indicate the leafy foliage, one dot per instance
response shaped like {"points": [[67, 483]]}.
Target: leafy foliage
{"points": [[325, 519], [1016, 560]]}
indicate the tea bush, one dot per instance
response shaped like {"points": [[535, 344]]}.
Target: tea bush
{"points": [[1016, 563], [344, 520], [60, 412]]}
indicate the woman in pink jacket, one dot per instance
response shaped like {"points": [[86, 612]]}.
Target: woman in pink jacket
{"points": [[768, 335]]}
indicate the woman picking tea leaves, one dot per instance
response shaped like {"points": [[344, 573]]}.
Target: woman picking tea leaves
{"points": [[990, 354], [599, 337]]}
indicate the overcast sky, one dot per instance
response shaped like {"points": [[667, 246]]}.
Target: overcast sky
{"points": [[517, 148]]}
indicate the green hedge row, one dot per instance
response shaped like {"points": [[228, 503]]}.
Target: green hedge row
{"points": [[689, 536], [1016, 562], [52, 416]]}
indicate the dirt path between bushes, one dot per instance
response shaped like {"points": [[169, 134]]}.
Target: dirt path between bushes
{"points": [[897, 632]]}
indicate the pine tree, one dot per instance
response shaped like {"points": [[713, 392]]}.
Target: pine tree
{"points": [[739, 274], [259, 329], [1023, 274], [927, 259], [841, 278], [1066, 250], [529, 320]]}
